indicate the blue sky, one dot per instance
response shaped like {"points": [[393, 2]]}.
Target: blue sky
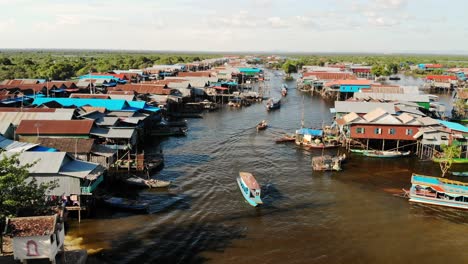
{"points": [[243, 25]]}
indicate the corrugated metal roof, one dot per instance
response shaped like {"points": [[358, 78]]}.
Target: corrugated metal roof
{"points": [[45, 162], [427, 121], [411, 110], [78, 102], [405, 118], [14, 146], [352, 117], [54, 127], [393, 97], [107, 121], [103, 150], [130, 97], [454, 126], [124, 133], [362, 107], [79, 169], [16, 117], [375, 114], [4, 126]]}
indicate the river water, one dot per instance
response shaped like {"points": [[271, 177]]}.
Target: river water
{"points": [[308, 217]]}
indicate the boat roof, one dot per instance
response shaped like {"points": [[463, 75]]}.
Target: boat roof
{"points": [[249, 180], [441, 184]]}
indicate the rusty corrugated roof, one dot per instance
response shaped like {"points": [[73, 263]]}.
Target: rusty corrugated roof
{"points": [[54, 127]]}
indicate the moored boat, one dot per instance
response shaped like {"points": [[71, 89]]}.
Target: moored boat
{"points": [[286, 138], [460, 173], [385, 153], [321, 145], [273, 104], [284, 92], [249, 188], [148, 183], [438, 191], [126, 204]]}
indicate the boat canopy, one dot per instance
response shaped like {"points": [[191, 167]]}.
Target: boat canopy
{"points": [[308, 131]]}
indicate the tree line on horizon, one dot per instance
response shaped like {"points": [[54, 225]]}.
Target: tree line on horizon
{"points": [[63, 65]]}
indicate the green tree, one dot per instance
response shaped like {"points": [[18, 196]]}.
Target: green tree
{"points": [[449, 153], [19, 193], [289, 67]]}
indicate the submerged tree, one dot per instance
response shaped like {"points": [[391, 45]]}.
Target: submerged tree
{"points": [[289, 67], [449, 153]]}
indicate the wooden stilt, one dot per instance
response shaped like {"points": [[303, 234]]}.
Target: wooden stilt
{"points": [[367, 145], [383, 145], [398, 145]]}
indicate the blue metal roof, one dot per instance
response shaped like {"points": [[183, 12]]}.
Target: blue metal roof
{"points": [[43, 149], [90, 76], [308, 131], [454, 126], [113, 105], [250, 70], [109, 104]]}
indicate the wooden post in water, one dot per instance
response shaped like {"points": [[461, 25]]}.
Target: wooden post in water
{"points": [[79, 209], [383, 145], [367, 145], [398, 145]]}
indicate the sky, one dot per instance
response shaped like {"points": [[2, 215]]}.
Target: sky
{"points": [[382, 26]]}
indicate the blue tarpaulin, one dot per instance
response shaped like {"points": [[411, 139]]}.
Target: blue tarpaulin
{"points": [[308, 131]]}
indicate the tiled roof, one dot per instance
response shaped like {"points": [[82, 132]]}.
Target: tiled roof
{"points": [[32, 226], [70, 145]]}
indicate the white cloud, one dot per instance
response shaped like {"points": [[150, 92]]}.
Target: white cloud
{"points": [[390, 4], [7, 25], [277, 22], [382, 21]]}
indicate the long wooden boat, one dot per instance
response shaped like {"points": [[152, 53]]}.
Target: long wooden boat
{"points": [[146, 183], [284, 92], [438, 191], [285, 139], [386, 154], [273, 104], [262, 125], [460, 173], [321, 145], [455, 160], [249, 188], [126, 204], [359, 151]]}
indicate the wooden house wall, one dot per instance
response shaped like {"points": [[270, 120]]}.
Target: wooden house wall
{"points": [[369, 132]]}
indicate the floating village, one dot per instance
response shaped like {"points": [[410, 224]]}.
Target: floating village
{"points": [[90, 134]]}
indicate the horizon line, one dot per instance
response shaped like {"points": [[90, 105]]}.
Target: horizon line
{"points": [[439, 53]]}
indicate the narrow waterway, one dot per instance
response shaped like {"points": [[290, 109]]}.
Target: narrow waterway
{"points": [[308, 217]]}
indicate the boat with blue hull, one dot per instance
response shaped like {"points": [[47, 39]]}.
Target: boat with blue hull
{"points": [[273, 103], [249, 188], [438, 191]]}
